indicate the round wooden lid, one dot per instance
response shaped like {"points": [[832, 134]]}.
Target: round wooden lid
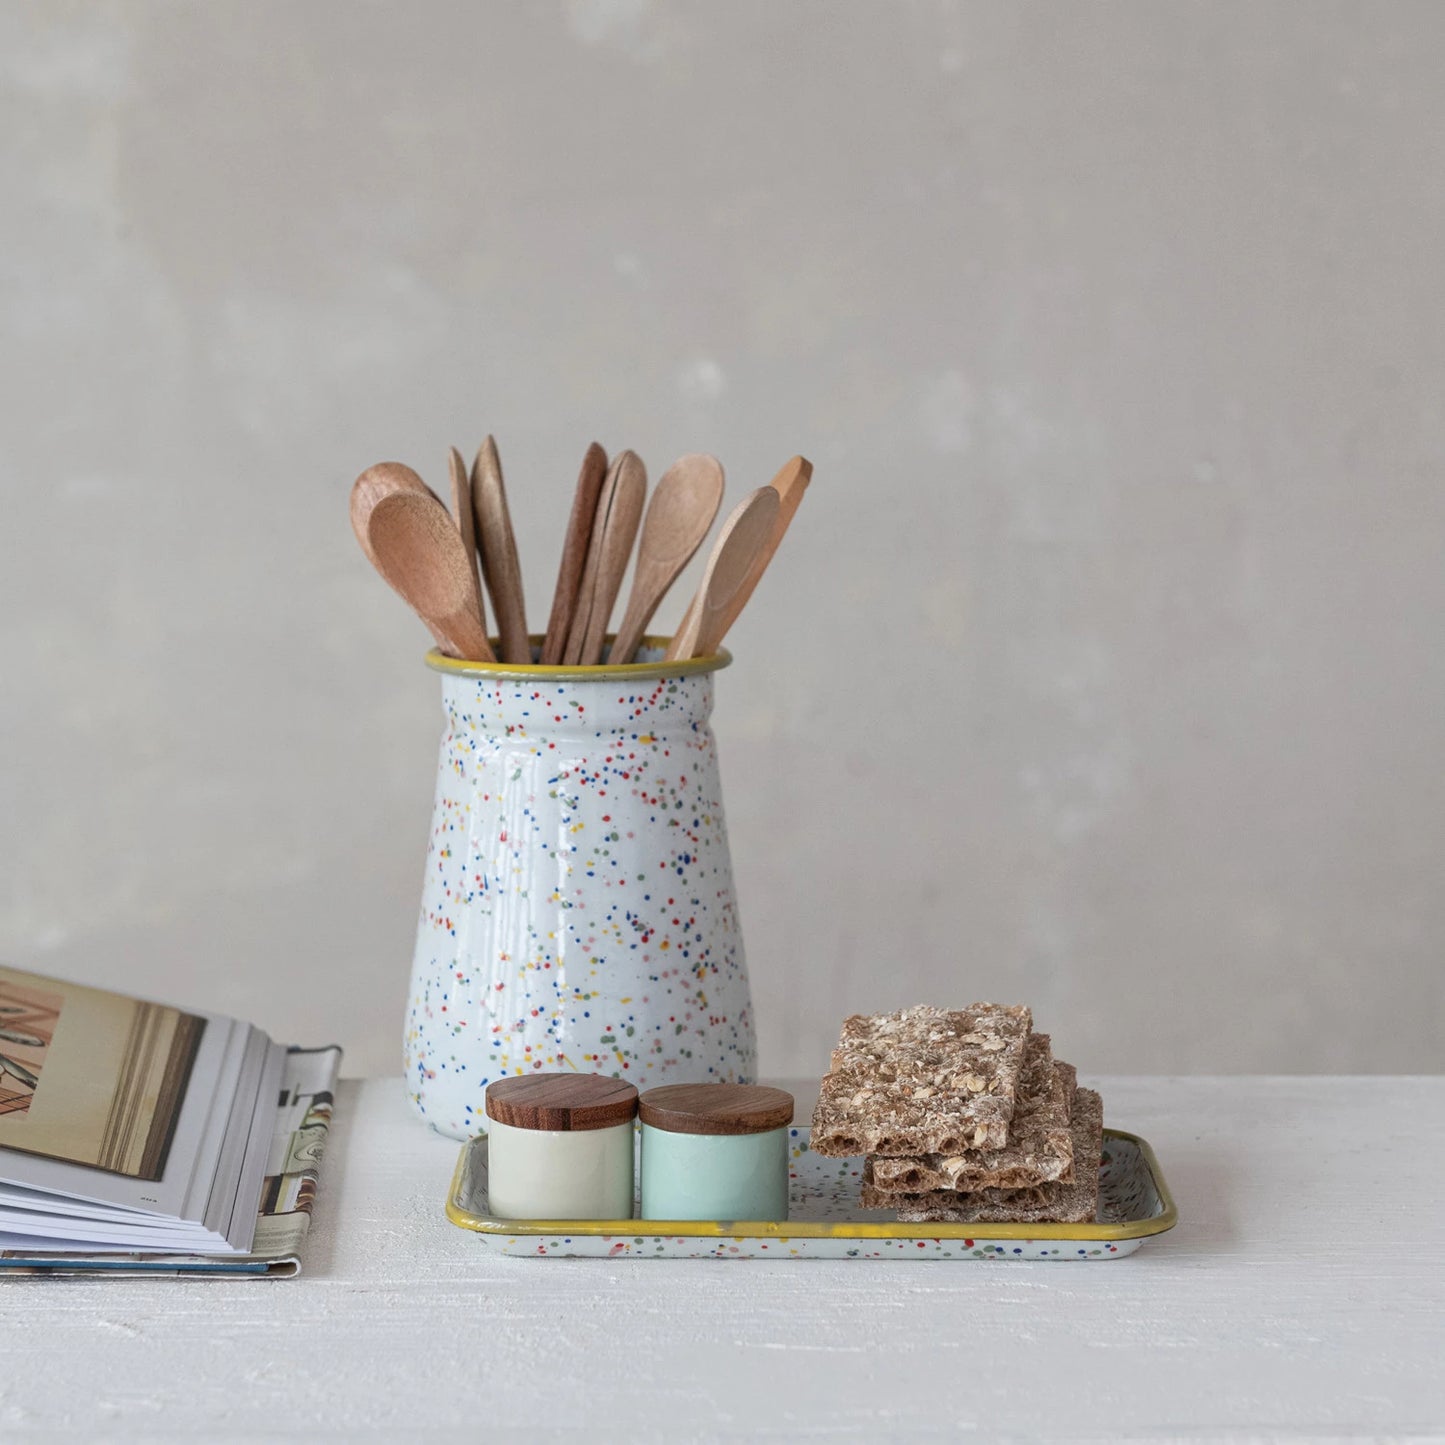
{"points": [[561, 1101], [716, 1108]]}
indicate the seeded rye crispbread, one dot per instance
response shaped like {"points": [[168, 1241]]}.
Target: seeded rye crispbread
{"points": [[1040, 1148], [1076, 1203], [922, 1081]]}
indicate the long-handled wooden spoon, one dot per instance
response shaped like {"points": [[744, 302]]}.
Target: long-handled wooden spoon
{"points": [[587, 587], [682, 508], [499, 553], [743, 536], [408, 534], [587, 583], [574, 553], [624, 513], [465, 517], [790, 484]]}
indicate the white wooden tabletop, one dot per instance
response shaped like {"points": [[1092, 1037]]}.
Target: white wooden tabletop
{"points": [[1302, 1296]]}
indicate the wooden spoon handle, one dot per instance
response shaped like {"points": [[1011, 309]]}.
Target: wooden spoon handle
{"points": [[499, 553], [582, 610], [466, 522], [574, 553], [686, 634], [623, 517], [634, 623]]}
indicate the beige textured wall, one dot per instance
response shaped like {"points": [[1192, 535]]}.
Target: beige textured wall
{"points": [[1104, 667]]}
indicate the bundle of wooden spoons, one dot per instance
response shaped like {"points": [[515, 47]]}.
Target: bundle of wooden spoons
{"points": [[430, 555]]}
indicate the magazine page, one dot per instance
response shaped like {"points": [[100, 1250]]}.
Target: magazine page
{"points": [[110, 1099], [239, 1225], [211, 1196], [91, 1077]]}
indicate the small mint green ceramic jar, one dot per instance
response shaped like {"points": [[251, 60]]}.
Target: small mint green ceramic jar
{"points": [[715, 1151]]}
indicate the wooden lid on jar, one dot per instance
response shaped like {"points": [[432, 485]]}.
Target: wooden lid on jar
{"points": [[563, 1102], [716, 1108]]}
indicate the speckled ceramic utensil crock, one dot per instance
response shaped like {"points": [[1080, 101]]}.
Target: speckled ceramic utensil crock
{"points": [[578, 909]]}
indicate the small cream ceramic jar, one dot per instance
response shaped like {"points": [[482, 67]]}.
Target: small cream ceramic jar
{"points": [[559, 1146], [715, 1151]]}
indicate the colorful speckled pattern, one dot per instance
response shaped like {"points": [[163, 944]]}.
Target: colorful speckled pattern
{"points": [[1134, 1203], [578, 910]]}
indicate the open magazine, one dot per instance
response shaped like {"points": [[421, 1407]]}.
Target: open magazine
{"points": [[137, 1136]]}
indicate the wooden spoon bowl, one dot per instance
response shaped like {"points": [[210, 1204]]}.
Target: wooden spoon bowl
{"points": [[682, 509], [744, 535], [411, 540]]}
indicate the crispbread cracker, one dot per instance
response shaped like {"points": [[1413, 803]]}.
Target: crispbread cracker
{"points": [[1076, 1203], [1040, 1148], [922, 1081]]}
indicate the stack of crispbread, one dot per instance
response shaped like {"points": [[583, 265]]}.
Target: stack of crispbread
{"points": [[965, 1117]]}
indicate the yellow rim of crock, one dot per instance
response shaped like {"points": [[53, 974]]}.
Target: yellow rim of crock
{"points": [[604, 672]]}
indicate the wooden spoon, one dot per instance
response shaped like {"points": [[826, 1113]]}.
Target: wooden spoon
{"points": [[790, 484], [499, 553], [745, 533], [411, 540], [587, 587], [465, 518], [587, 583], [624, 512], [682, 509], [574, 553], [370, 487]]}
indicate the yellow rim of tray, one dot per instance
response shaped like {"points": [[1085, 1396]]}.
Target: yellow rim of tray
{"points": [[603, 672], [814, 1229]]}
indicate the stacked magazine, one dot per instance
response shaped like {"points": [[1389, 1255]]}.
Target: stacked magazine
{"points": [[138, 1134]]}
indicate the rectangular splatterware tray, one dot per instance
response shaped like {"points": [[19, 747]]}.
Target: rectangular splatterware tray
{"points": [[826, 1222]]}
